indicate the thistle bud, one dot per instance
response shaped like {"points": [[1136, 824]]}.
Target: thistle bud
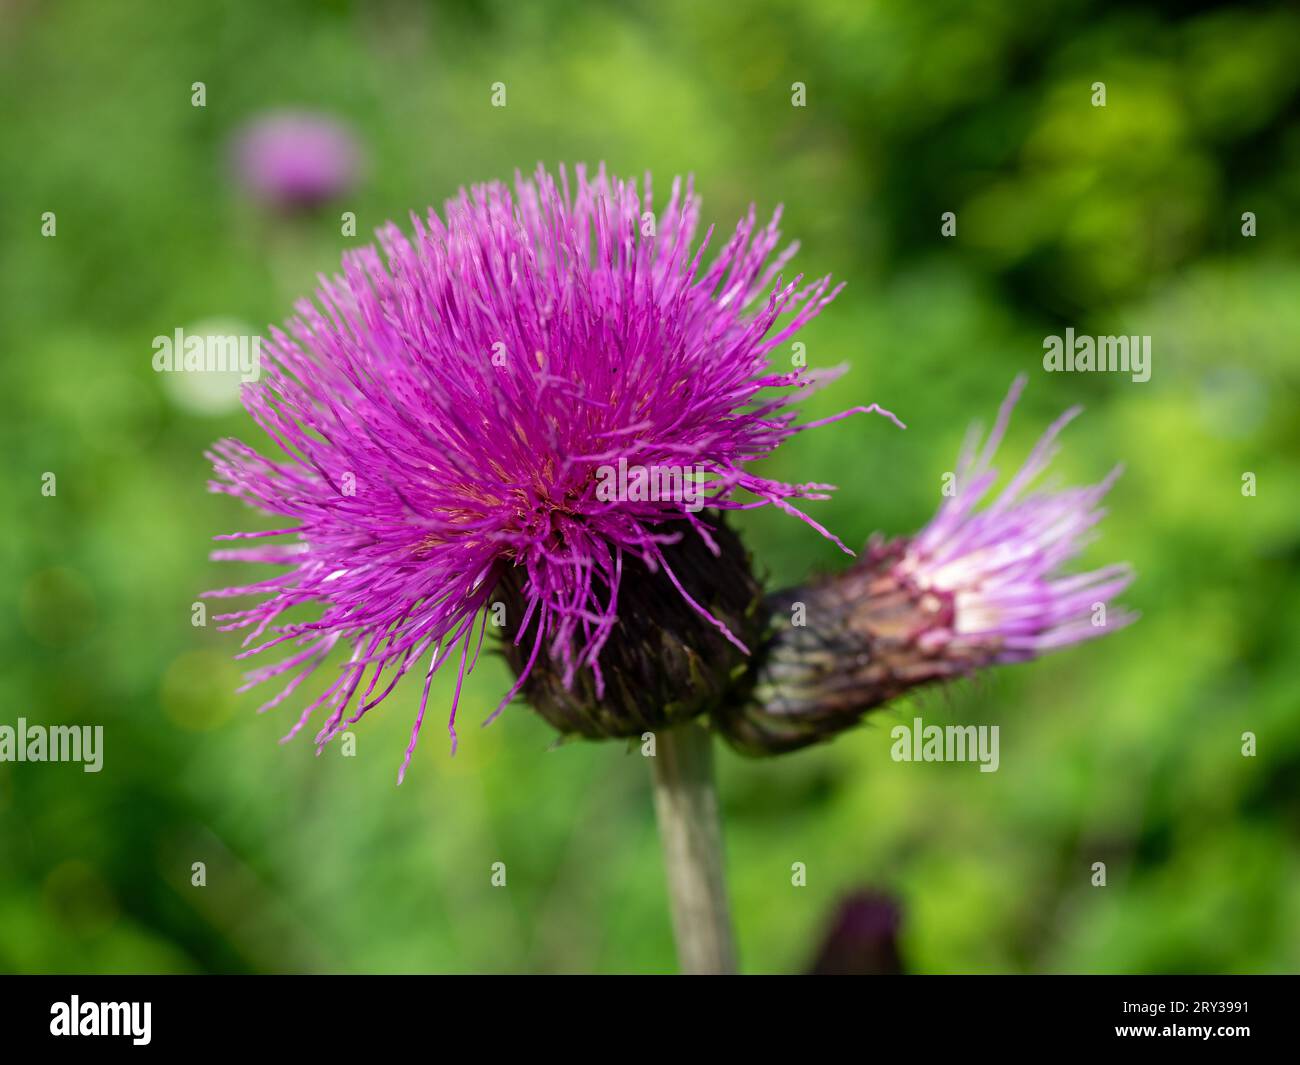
{"points": [[972, 589], [868, 636]]}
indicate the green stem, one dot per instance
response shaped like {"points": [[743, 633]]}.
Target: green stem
{"points": [[686, 806]]}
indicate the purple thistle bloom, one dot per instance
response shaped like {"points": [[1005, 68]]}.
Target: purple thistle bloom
{"points": [[444, 410], [296, 160], [974, 588]]}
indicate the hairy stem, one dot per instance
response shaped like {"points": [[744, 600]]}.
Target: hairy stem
{"points": [[686, 805]]}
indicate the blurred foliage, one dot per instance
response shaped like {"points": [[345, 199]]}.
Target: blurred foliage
{"points": [[1117, 220]]}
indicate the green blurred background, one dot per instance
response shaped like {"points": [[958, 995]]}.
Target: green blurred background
{"points": [[1117, 220]]}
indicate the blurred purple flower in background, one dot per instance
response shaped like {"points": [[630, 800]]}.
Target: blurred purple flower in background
{"points": [[862, 939], [296, 160]]}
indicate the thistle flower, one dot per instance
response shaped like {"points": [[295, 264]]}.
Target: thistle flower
{"points": [[974, 588], [445, 412], [296, 160]]}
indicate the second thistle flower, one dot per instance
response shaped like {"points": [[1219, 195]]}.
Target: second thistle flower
{"points": [[976, 587]]}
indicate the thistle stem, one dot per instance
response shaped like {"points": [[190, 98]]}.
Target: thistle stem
{"points": [[686, 806]]}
